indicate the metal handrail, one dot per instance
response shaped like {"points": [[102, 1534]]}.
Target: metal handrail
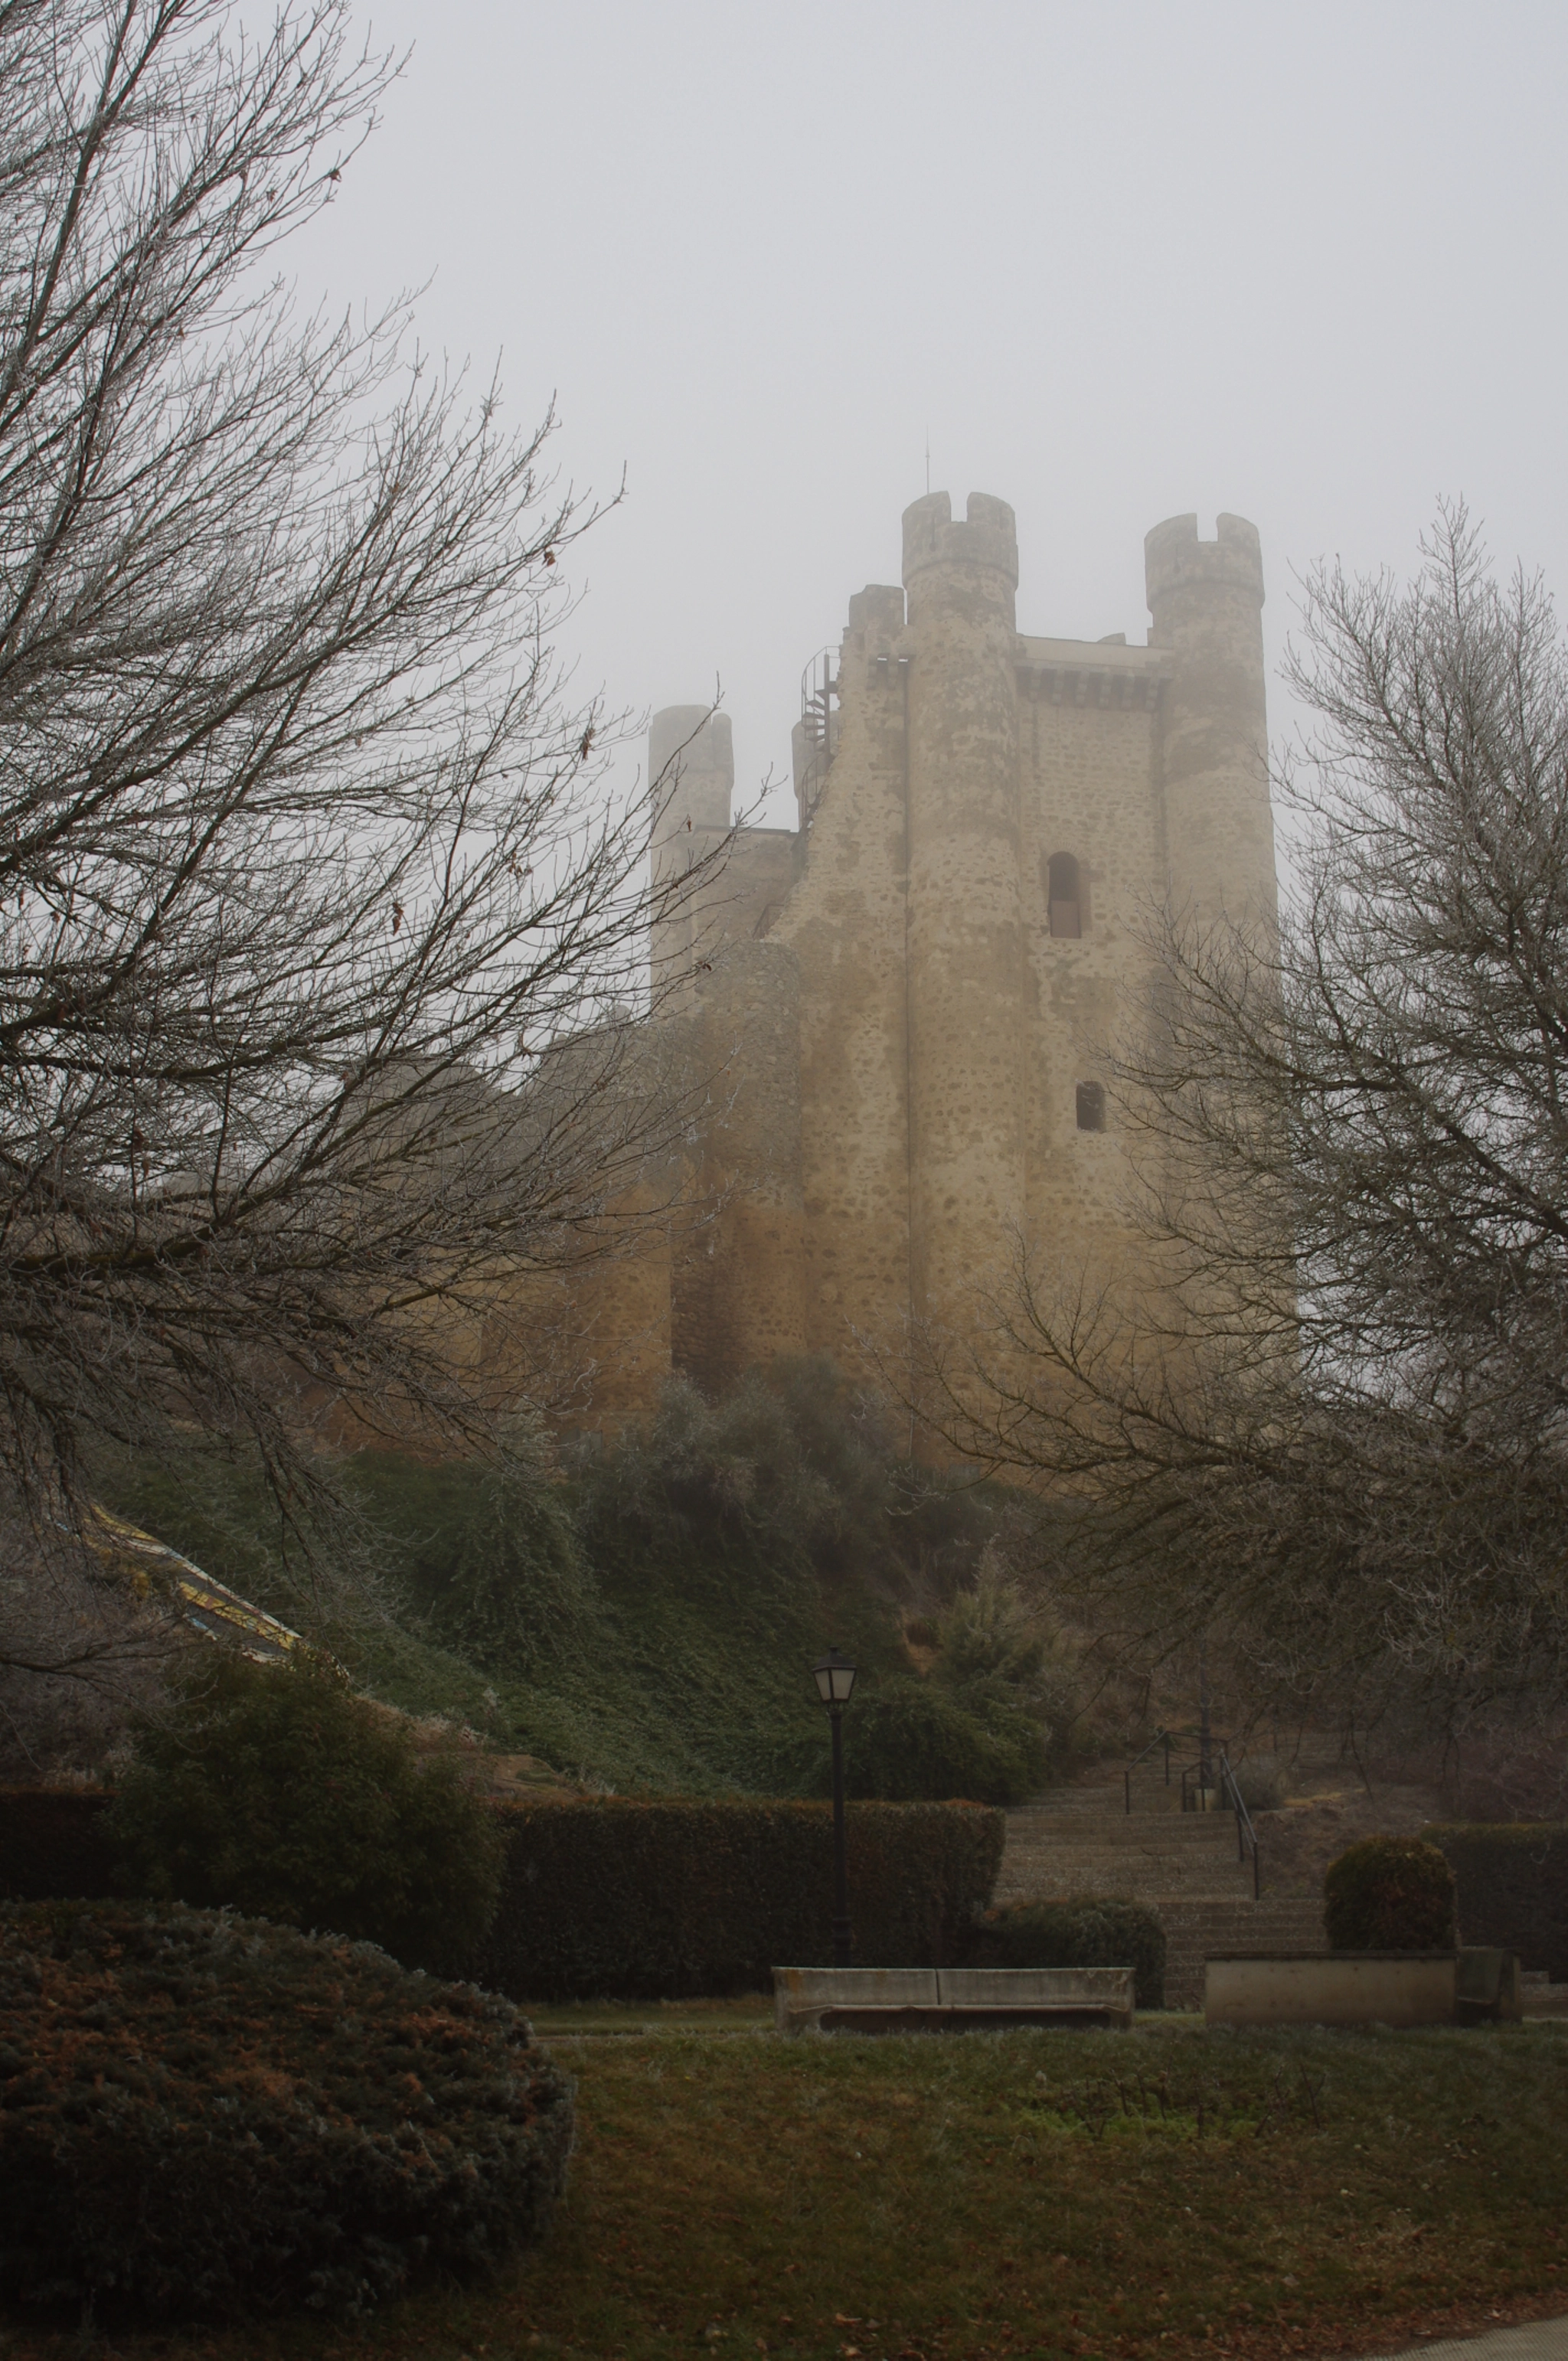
{"points": [[1160, 1738], [1217, 1758], [1247, 1835]]}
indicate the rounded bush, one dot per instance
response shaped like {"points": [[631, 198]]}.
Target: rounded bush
{"points": [[207, 2116], [908, 1741], [1389, 1894], [1090, 1932], [274, 1791]]}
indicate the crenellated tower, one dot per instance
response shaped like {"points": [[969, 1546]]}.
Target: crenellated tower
{"points": [[905, 1003], [1206, 598], [966, 952]]}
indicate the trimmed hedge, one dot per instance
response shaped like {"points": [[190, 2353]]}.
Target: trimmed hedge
{"points": [[1513, 1888], [54, 1844], [1087, 1931], [209, 2116], [1389, 1894], [652, 1900], [671, 1900]]}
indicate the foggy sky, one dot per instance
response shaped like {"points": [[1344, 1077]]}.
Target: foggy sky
{"points": [[1304, 262]]}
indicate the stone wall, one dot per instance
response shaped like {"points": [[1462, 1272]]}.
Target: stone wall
{"points": [[902, 1011]]}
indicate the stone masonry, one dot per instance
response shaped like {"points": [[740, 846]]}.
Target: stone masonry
{"points": [[902, 1002]]}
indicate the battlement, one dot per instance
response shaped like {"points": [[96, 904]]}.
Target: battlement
{"points": [[878, 609], [988, 536], [1175, 559]]}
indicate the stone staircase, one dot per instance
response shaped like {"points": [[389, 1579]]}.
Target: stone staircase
{"points": [[1082, 1840]]}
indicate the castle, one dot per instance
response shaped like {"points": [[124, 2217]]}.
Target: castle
{"points": [[899, 999]]}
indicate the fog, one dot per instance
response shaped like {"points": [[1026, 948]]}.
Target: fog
{"points": [[1109, 263]]}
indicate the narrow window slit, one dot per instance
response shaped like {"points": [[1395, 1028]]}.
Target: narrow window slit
{"points": [[1092, 1106], [1066, 897]]}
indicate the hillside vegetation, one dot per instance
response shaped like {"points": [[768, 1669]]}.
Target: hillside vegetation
{"points": [[643, 1615]]}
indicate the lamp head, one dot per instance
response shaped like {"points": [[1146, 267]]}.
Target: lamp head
{"points": [[835, 1677]]}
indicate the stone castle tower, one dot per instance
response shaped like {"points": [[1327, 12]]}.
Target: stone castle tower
{"points": [[899, 999]]}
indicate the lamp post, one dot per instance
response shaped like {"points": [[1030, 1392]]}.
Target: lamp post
{"points": [[835, 1679]]}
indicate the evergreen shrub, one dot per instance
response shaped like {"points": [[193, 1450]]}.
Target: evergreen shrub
{"points": [[1090, 1931], [1389, 1894], [1512, 1888], [207, 2116], [913, 1742], [54, 1844], [274, 1791], [671, 1900]]}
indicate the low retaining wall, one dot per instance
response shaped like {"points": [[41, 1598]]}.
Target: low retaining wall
{"points": [[949, 2000], [1397, 1988]]}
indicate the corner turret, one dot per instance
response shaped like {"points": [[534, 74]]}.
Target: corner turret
{"points": [[1175, 560], [984, 544], [964, 949], [691, 749], [1206, 599]]}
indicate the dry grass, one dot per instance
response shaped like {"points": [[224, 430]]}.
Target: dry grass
{"points": [[1023, 2193]]}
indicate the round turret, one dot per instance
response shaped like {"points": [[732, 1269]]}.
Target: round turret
{"points": [[1175, 560], [1206, 599], [978, 556], [691, 762], [964, 948]]}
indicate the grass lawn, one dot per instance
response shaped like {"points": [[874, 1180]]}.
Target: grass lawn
{"points": [[1161, 2194]]}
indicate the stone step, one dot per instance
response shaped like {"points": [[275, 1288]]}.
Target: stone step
{"points": [[1141, 1881], [1178, 1830]]}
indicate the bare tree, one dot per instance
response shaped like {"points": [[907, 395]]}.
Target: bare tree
{"points": [[1324, 1417], [322, 938]]}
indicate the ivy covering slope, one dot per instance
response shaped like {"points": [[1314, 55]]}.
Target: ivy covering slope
{"points": [[645, 1616]]}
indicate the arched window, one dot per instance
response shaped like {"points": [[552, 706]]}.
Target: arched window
{"points": [[1067, 898], [1092, 1106]]}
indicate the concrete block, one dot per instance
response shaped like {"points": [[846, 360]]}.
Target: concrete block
{"points": [[949, 2000], [1108, 1987], [800, 1995], [1396, 1988]]}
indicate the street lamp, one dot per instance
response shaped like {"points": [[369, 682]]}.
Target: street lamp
{"points": [[835, 1679]]}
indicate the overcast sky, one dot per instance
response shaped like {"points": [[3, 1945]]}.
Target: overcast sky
{"points": [[1304, 262]]}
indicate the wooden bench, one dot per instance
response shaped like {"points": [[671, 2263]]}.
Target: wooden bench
{"points": [[949, 2000]]}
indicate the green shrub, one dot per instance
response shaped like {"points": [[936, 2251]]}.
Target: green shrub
{"points": [[1089, 1932], [276, 1791], [795, 1467], [991, 1642], [206, 2115], [911, 1741], [1389, 1894], [54, 1844], [1512, 1888], [671, 1899]]}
